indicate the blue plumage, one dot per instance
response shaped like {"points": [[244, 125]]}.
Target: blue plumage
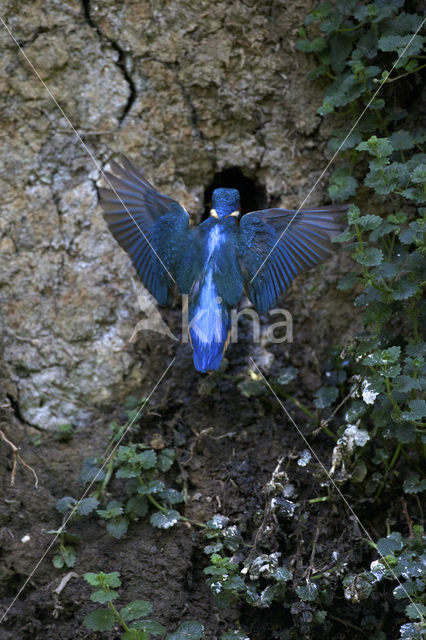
{"points": [[262, 252]]}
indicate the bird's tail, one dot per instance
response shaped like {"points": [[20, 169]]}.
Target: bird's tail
{"points": [[209, 324]]}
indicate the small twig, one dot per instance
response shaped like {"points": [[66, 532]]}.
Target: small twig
{"points": [[407, 517], [17, 458], [198, 436]]}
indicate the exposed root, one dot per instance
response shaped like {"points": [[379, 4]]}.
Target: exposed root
{"points": [[17, 458]]}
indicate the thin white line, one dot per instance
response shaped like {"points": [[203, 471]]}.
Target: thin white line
{"points": [[334, 484], [62, 527], [338, 150], [86, 148]]}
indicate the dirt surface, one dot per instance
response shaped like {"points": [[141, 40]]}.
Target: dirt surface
{"points": [[190, 94]]}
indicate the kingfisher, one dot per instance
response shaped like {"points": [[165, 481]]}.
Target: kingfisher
{"points": [[215, 263]]}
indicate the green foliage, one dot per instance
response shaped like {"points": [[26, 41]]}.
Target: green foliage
{"points": [[401, 562], [139, 467], [65, 432], [128, 617], [383, 163], [190, 630]]}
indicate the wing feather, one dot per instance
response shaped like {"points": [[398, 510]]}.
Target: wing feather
{"points": [[150, 226], [275, 245]]}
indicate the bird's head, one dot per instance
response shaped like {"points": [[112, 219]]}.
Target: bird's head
{"points": [[225, 202]]}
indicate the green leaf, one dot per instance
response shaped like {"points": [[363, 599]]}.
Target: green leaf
{"points": [[384, 357], [137, 506], [393, 542], [281, 574], [171, 495], [419, 174], [99, 620], [155, 486], [166, 459], [346, 235], [401, 140], [417, 410], [155, 628], [87, 505], [136, 609], [370, 257], [103, 596], [308, 593], [342, 185], [415, 610], [69, 556], [325, 396], [414, 484], [191, 630], [378, 147], [164, 520], [147, 459], [113, 509], [134, 634], [369, 222], [102, 579], [117, 527], [234, 635], [91, 472], [58, 561], [67, 503], [286, 375]]}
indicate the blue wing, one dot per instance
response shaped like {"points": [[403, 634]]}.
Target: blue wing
{"points": [[152, 227], [275, 246]]}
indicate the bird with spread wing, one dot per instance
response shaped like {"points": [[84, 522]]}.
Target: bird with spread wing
{"points": [[259, 253]]}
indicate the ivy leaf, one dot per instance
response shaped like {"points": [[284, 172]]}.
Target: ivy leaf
{"points": [[419, 174], [69, 556], [58, 561], [91, 472], [67, 503], [147, 459], [370, 257], [308, 593], [99, 620], [102, 596], [134, 634], [417, 410], [401, 140], [137, 505], [87, 505], [369, 222], [378, 147], [286, 375], [155, 486], [101, 579], [414, 484], [342, 185], [384, 357], [166, 459], [191, 630], [393, 542], [135, 609], [415, 610], [164, 520], [118, 527], [171, 495], [149, 626], [325, 396]]}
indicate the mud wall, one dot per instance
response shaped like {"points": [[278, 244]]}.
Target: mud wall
{"points": [[186, 90]]}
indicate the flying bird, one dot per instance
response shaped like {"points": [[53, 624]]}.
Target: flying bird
{"points": [[258, 253]]}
